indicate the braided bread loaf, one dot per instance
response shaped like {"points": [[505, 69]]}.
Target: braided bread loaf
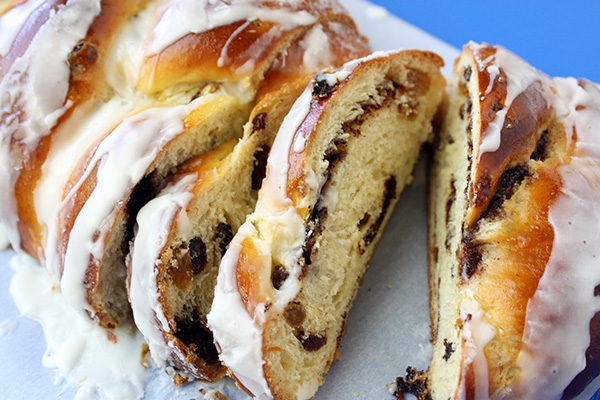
{"points": [[514, 233], [102, 100]]}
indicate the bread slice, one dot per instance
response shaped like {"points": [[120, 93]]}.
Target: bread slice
{"points": [[336, 169], [513, 233], [183, 233]]}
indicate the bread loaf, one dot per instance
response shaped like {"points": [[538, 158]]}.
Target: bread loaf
{"points": [[96, 90], [513, 234]]}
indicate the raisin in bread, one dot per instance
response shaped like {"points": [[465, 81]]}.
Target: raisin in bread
{"points": [[338, 164], [183, 233], [514, 233]]}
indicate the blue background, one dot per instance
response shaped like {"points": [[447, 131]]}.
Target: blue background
{"points": [[559, 38]]}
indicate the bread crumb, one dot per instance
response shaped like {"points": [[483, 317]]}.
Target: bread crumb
{"points": [[389, 286], [111, 337], [355, 394], [145, 356]]}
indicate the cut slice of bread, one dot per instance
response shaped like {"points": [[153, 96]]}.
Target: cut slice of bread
{"points": [[338, 164], [120, 174], [183, 233], [514, 233]]}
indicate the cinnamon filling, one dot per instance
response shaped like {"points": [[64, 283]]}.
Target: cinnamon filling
{"points": [[389, 194]]}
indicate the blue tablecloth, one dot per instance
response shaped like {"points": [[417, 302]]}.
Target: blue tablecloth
{"points": [[559, 38]]}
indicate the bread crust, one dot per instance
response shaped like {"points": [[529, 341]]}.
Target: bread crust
{"points": [[85, 87]]}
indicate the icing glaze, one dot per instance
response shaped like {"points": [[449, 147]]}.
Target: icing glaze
{"points": [[155, 220], [122, 158], [228, 318], [178, 18], [78, 350], [12, 21], [67, 146], [520, 75], [476, 334], [125, 59], [25, 87], [317, 49], [4, 243]]}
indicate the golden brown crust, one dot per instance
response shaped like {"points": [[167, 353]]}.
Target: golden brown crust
{"points": [[179, 62], [85, 85], [345, 42], [528, 115]]}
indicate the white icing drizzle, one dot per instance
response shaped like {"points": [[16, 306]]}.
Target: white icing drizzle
{"points": [[124, 62], [178, 18], [519, 75], [317, 49], [476, 334], [26, 86], [558, 317], [67, 147], [12, 21], [224, 59], [123, 158], [155, 221], [79, 350], [4, 243], [237, 334]]}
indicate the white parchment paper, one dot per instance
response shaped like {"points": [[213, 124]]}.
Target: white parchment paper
{"points": [[388, 328]]}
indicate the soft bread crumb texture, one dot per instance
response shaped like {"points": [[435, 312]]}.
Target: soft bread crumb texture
{"points": [[375, 132]]}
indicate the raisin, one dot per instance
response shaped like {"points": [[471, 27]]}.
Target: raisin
{"points": [[278, 276], [197, 337], [223, 235], [448, 351], [294, 314], [467, 73], [259, 122], [311, 342], [198, 255], [83, 56], [322, 88]]}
